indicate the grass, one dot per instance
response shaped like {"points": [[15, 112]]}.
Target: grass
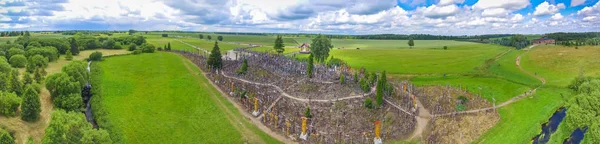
{"points": [[161, 97], [491, 87], [364, 44], [160, 41], [522, 120], [506, 68], [268, 49], [464, 59], [560, 65]]}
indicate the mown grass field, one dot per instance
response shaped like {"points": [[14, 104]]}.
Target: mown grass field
{"points": [[162, 97], [364, 44], [158, 40], [464, 59]]}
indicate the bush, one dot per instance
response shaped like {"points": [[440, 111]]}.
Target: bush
{"points": [[342, 78], [460, 107], [69, 56], [307, 113], [18, 61], [445, 47], [244, 68], [131, 47], [96, 56], [136, 52], [368, 103], [5, 137], [100, 112], [148, 48], [118, 46], [165, 35], [35, 62], [462, 99], [9, 103], [48, 52]]}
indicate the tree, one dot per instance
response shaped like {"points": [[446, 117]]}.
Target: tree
{"points": [[169, 46], [65, 91], [320, 48], [77, 70], [593, 132], [201, 36], [14, 51], [109, 44], [69, 56], [310, 67], [411, 42], [5, 137], [244, 68], [74, 47], [9, 103], [31, 108], [279, 46], [445, 47], [27, 78], [220, 38], [131, 32], [307, 113], [355, 77], [71, 127], [38, 76], [131, 47], [342, 78], [27, 33], [379, 94], [18, 61], [16, 85], [215, 62], [96, 56], [36, 62], [208, 37]]}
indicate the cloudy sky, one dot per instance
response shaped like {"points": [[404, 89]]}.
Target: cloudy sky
{"points": [[445, 17]]}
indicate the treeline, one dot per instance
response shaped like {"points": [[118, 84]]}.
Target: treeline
{"points": [[517, 41], [561, 36], [14, 33], [416, 37]]}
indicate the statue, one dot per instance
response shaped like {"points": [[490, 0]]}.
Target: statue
{"points": [[304, 135], [255, 112], [377, 139]]}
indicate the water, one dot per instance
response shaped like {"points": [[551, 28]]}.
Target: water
{"points": [[87, 98], [551, 126], [576, 136]]}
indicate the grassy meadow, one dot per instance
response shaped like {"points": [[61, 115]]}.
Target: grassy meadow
{"points": [[162, 97]]}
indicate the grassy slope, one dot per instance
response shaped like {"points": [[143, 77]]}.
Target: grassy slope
{"points": [[506, 68], [389, 44], [155, 99], [558, 65], [499, 89]]}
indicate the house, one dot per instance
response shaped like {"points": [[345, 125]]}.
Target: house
{"points": [[304, 48], [543, 40]]}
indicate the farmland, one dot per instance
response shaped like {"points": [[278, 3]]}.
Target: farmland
{"points": [[170, 101]]}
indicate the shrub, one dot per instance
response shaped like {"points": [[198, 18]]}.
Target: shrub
{"points": [[100, 112], [355, 77], [148, 48], [117, 46], [445, 47], [48, 52], [5, 137], [462, 99], [31, 108], [342, 78], [18, 61], [365, 85], [244, 68], [69, 56], [460, 107], [27, 78], [35, 62], [15, 84], [307, 113], [131, 47], [165, 35], [9, 103], [96, 56], [135, 52], [368, 103]]}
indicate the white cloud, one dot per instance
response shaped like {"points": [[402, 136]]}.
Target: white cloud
{"points": [[557, 16], [547, 9], [434, 11], [590, 18], [511, 5], [450, 2], [495, 12], [517, 18], [576, 2]]}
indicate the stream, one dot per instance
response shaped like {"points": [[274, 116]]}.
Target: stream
{"points": [[87, 98], [550, 127], [576, 136]]}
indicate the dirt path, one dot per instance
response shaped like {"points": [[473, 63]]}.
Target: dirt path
{"points": [[235, 120], [514, 99], [422, 121], [296, 98]]}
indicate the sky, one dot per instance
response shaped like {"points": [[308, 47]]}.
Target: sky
{"points": [[438, 17]]}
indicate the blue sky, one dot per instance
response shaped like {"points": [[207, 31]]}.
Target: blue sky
{"points": [[444, 17]]}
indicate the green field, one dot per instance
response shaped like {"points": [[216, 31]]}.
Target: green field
{"points": [[463, 59], [157, 40], [364, 44], [162, 97]]}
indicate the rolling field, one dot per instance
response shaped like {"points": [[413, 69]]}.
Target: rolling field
{"points": [[161, 97], [157, 40], [421, 61], [560, 65], [390, 44]]}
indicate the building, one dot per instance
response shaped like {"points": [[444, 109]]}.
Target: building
{"points": [[543, 40], [304, 48]]}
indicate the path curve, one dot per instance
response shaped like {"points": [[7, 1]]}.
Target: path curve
{"points": [[296, 98], [514, 99]]}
